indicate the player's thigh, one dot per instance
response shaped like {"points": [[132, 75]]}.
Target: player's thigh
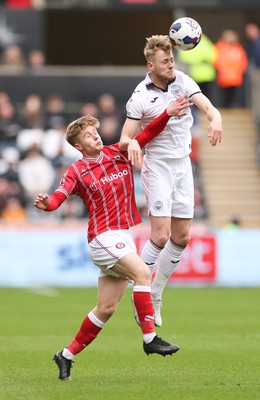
{"points": [[157, 183], [134, 268], [183, 194]]}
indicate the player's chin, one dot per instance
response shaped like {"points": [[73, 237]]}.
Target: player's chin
{"points": [[171, 75]]}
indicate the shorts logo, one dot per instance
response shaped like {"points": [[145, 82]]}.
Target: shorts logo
{"points": [[175, 89], [158, 205], [120, 245]]}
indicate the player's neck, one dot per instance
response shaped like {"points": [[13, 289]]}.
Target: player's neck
{"points": [[161, 83], [92, 156]]}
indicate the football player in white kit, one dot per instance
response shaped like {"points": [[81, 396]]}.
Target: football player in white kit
{"points": [[166, 173]]}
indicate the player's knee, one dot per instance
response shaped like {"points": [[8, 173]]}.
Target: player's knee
{"points": [[107, 309], [160, 237], [182, 239], [144, 276]]}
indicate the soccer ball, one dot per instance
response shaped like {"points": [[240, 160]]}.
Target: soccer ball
{"points": [[185, 33]]}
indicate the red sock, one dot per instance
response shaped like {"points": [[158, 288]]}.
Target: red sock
{"points": [[87, 333], [144, 307]]}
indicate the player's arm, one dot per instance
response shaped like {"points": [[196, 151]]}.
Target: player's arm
{"points": [[49, 202], [213, 115], [130, 128], [176, 108]]}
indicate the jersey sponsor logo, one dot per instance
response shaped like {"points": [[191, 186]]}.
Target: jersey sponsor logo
{"points": [[175, 89], [154, 99], [158, 205], [113, 177], [120, 245]]}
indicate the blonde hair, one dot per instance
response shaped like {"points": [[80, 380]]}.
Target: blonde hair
{"points": [[77, 126], [155, 43]]}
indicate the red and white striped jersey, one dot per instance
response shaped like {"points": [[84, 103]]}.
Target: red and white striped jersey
{"points": [[106, 187]]}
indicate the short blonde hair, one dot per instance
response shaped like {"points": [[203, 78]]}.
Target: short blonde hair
{"points": [[155, 43], [77, 126]]}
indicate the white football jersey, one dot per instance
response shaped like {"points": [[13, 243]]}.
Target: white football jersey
{"points": [[148, 102]]}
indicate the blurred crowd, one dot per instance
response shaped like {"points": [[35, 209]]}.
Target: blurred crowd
{"points": [[34, 153]]}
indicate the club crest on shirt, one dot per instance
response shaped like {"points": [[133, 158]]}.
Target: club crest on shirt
{"points": [[94, 186], [176, 89], [120, 245], [158, 205]]}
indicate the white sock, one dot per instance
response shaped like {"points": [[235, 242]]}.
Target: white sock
{"points": [[168, 261], [67, 354], [150, 254], [148, 337]]}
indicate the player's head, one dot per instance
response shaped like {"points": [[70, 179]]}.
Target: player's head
{"points": [[159, 56], [82, 134], [154, 44]]}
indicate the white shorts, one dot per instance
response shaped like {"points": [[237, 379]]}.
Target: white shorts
{"points": [[109, 247], [169, 187]]}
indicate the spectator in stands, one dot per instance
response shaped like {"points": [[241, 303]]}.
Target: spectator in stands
{"points": [[9, 189], [199, 64], [9, 170], [9, 125], [231, 65], [36, 59], [233, 224], [28, 138], [32, 116], [4, 193], [110, 130], [13, 211], [252, 32], [107, 107], [13, 56], [36, 173], [89, 108], [55, 147], [55, 113]]}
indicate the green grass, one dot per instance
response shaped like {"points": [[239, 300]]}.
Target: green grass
{"points": [[218, 330]]}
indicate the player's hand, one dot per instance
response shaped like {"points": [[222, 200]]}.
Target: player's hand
{"points": [[42, 201], [134, 152], [177, 107], [215, 133]]}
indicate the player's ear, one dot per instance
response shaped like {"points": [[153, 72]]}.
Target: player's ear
{"points": [[78, 146], [150, 65]]}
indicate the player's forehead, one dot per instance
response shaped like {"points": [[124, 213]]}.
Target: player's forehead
{"points": [[88, 129], [161, 55]]}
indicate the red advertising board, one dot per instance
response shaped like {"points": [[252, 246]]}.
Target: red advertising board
{"points": [[198, 262]]}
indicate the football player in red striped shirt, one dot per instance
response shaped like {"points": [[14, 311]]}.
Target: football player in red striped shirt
{"points": [[103, 179]]}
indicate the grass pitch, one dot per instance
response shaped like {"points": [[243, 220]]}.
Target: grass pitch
{"points": [[218, 330]]}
